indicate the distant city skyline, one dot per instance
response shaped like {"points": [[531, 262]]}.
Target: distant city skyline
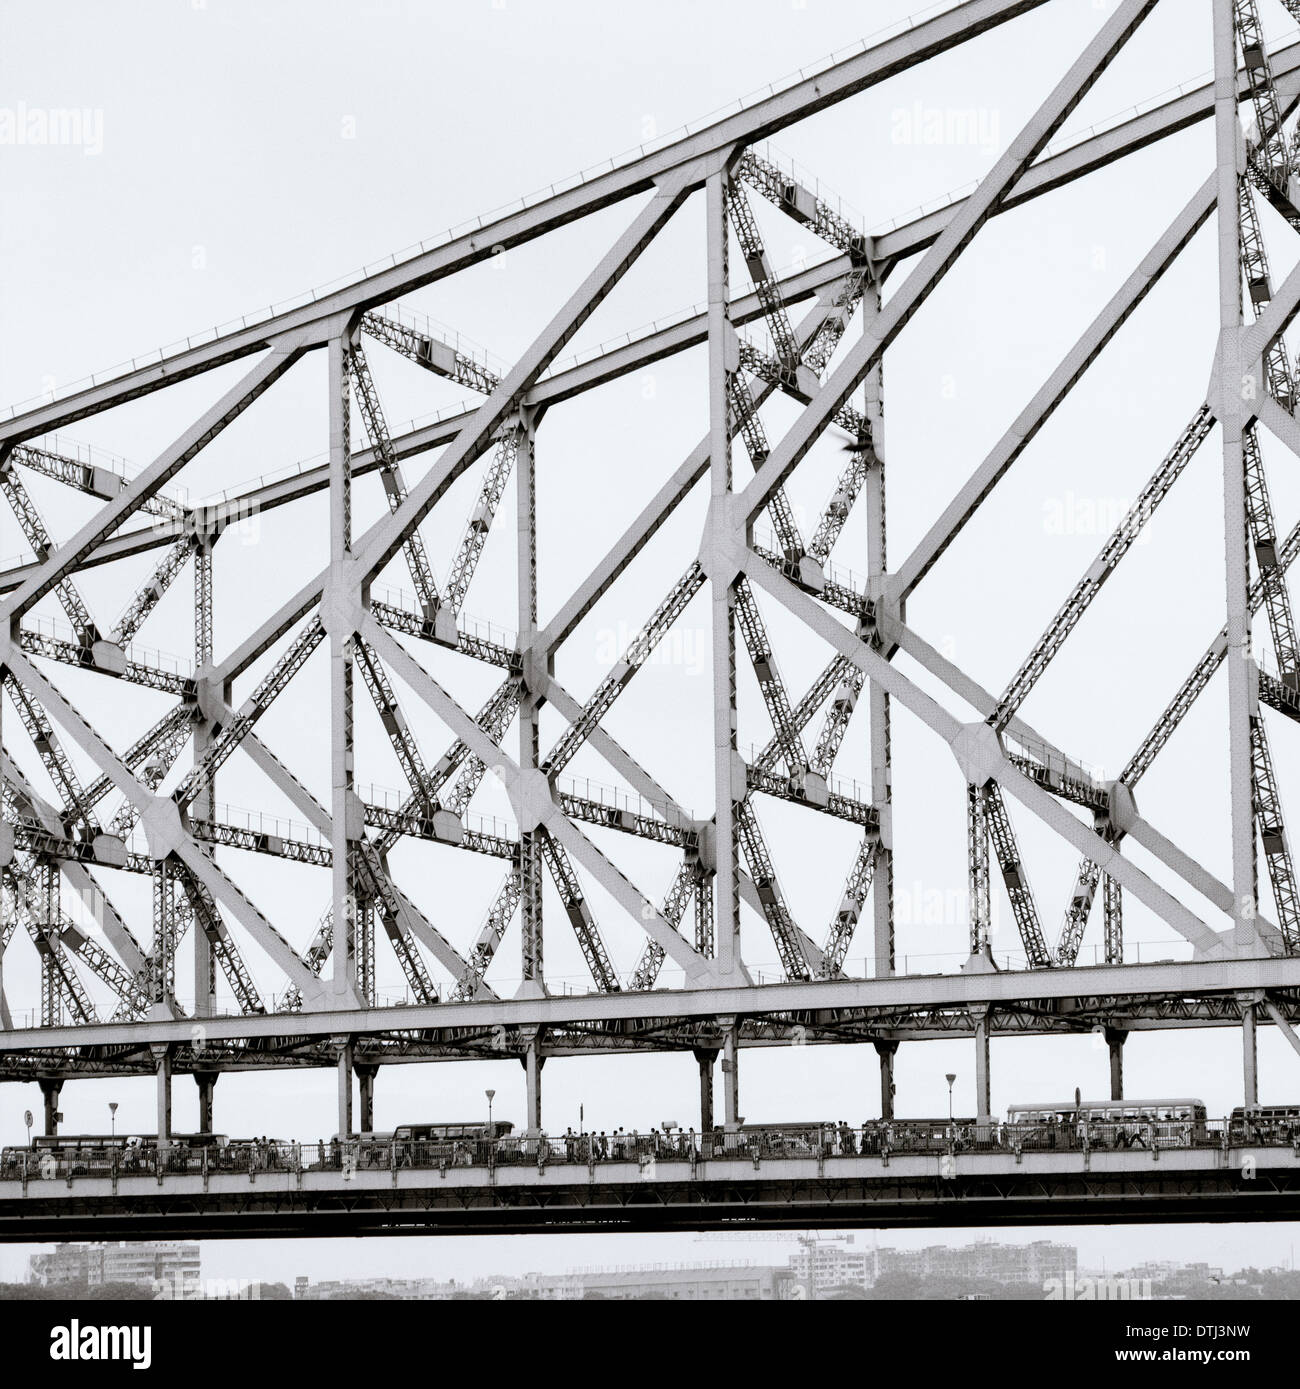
{"points": [[819, 1265], [466, 1258]]}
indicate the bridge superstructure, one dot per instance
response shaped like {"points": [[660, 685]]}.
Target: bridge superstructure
{"points": [[816, 339]]}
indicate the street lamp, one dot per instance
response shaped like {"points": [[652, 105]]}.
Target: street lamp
{"points": [[112, 1117], [950, 1078], [491, 1095]]}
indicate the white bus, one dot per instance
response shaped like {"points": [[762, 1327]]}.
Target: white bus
{"points": [[1167, 1123]]}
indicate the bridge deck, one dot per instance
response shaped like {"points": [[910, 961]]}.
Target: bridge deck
{"points": [[933, 1189]]}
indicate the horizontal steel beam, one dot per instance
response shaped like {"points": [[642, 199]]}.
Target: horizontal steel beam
{"points": [[933, 991]]}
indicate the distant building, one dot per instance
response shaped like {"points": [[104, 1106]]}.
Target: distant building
{"points": [[413, 1289], [1003, 1263], [670, 1282], [65, 1263], [820, 1267], [1168, 1272], [141, 1264]]}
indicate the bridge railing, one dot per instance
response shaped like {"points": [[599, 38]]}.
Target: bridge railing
{"points": [[821, 1142]]}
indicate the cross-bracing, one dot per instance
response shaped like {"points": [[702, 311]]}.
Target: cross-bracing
{"points": [[311, 998]]}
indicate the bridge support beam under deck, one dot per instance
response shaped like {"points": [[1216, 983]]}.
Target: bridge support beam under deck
{"points": [[886, 1050], [730, 1074], [366, 1087], [533, 1061], [983, 1088], [207, 1083], [707, 1058], [50, 1089], [1115, 1040], [343, 1049], [1249, 1061], [162, 1060]]}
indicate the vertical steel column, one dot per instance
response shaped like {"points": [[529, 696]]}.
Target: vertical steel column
{"points": [[533, 1061], [344, 829], [50, 1088], [706, 1057], [703, 890], [1238, 381], [983, 1086], [48, 909], [160, 957], [530, 859], [1115, 1040], [205, 978], [162, 1060], [343, 1050], [730, 1073], [1113, 913], [364, 918], [723, 360], [1249, 1059], [882, 880], [977, 844], [207, 1083], [5, 831], [886, 1050], [366, 1087]]}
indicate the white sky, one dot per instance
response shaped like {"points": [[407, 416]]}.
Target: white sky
{"points": [[238, 154]]}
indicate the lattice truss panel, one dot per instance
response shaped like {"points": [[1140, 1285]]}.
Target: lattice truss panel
{"points": [[93, 816]]}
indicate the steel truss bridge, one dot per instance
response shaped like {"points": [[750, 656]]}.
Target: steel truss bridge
{"points": [[817, 338]]}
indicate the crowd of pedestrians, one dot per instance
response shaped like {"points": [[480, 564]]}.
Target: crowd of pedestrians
{"points": [[872, 1138]]}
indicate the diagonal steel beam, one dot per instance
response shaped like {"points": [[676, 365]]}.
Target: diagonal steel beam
{"points": [[535, 797], [387, 537], [1040, 802], [936, 262], [1108, 322], [162, 820], [260, 378]]}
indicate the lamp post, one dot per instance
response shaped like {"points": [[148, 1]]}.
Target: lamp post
{"points": [[112, 1117], [491, 1095], [950, 1078]]}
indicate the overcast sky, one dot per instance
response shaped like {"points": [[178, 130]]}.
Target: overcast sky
{"points": [[233, 155]]}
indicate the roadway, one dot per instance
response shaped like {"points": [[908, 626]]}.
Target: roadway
{"points": [[740, 1189]]}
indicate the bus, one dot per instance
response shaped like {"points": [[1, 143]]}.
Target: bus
{"points": [[458, 1144], [448, 1133], [62, 1142], [800, 1138], [925, 1135], [1162, 1123], [1265, 1123]]}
